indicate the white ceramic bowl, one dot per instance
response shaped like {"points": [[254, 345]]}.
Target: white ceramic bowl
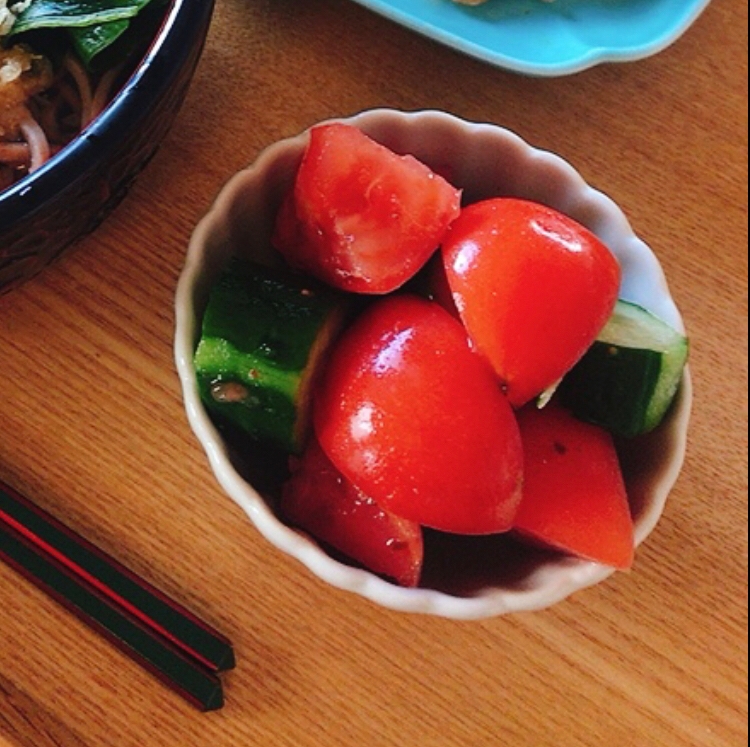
{"points": [[465, 578]]}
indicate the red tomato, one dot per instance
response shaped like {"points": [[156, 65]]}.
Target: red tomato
{"points": [[574, 495], [361, 217], [416, 420], [438, 288], [318, 499], [533, 287]]}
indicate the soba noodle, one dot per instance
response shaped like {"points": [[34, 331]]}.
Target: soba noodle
{"points": [[43, 106], [42, 111]]}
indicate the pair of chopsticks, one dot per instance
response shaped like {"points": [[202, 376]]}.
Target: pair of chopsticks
{"points": [[169, 641]]}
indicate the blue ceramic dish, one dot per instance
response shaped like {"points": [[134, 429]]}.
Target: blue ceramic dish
{"points": [[548, 38], [70, 196]]}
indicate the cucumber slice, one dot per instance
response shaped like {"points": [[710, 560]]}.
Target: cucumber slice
{"points": [[264, 338], [628, 379]]}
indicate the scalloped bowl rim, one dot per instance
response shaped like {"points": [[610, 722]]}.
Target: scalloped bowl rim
{"points": [[555, 583]]}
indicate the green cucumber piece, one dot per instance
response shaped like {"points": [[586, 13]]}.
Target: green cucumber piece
{"points": [[628, 379], [264, 338]]}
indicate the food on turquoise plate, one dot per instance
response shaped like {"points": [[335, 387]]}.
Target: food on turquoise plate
{"points": [[60, 65], [418, 417]]}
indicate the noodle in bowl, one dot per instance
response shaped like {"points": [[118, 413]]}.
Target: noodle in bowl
{"points": [[80, 141], [33, 131]]}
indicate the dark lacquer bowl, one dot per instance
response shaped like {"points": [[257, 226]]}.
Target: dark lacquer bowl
{"points": [[49, 210]]}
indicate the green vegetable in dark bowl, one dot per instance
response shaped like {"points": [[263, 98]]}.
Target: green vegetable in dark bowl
{"points": [[92, 26], [145, 74], [61, 63]]}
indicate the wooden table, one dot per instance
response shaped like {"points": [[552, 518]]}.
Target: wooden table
{"points": [[93, 428]]}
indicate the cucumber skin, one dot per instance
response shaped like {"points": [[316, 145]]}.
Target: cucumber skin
{"points": [[255, 308], [627, 390], [602, 386], [265, 414], [258, 331]]}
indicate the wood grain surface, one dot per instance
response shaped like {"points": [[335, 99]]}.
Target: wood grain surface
{"points": [[92, 427]]}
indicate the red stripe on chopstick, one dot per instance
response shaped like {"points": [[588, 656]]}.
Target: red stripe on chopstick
{"points": [[101, 587], [111, 578], [168, 663]]}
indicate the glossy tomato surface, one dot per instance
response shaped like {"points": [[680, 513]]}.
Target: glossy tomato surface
{"points": [[361, 217], [318, 499], [574, 494], [416, 420], [533, 287]]}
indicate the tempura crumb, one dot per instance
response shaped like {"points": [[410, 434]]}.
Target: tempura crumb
{"points": [[23, 74]]}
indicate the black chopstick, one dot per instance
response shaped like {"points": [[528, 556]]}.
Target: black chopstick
{"points": [[189, 679], [162, 635], [168, 618]]}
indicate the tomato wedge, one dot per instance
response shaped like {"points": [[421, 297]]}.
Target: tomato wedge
{"points": [[574, 495], [360, 217], [318, 499], [411, 416], [533, 287]]}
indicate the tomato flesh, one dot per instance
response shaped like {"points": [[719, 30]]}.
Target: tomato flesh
{"points": [[416, 420], [318, 499], [533, 287], [360, 217], [574, 496]]}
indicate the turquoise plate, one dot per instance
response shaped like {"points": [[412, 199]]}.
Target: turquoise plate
{"points": [[548, 38]]}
